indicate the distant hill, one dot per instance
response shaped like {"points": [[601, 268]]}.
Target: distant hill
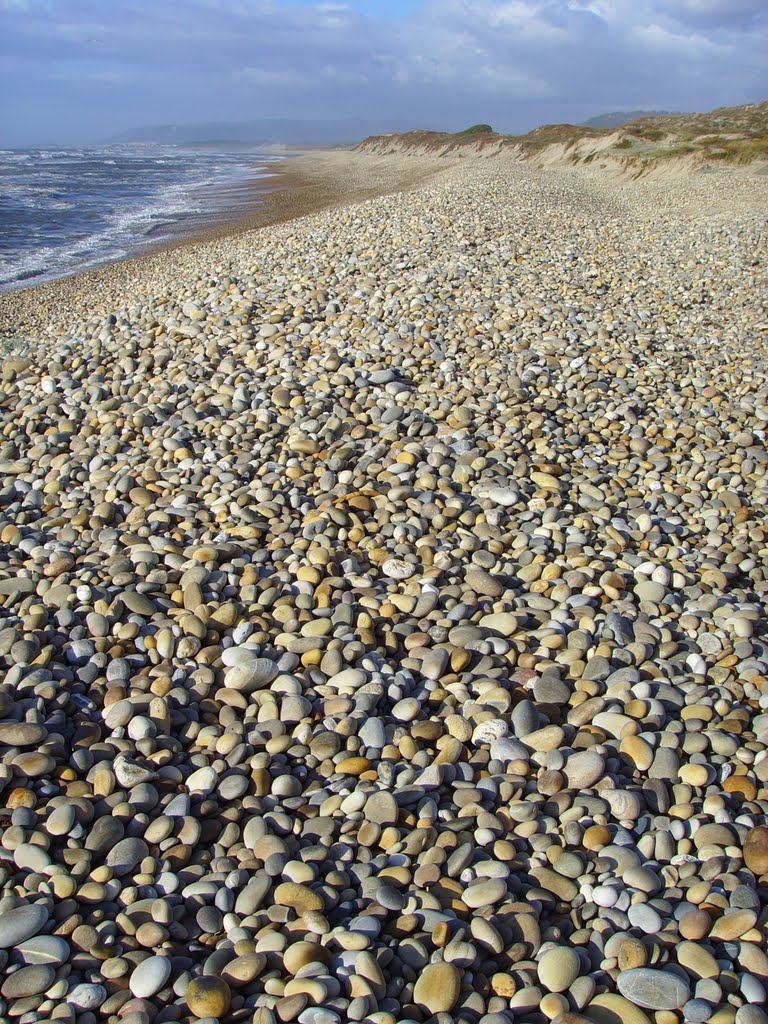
{"points": [[618, 118], [265, 130]]}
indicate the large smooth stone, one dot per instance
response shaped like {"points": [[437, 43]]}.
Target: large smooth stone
{"points": [[485, 893], [29, 981], [559, 968], [150, 976], [611, 1008], [43, 949], [756, 850], [104, 834], [654, 990], [584, 769], [251, 675], [20, 924], [208, 997], [300, 897], [437, 988], [483, 583], [22, 734], [203, 781], [87, 996], [126, 855], [381, 808]]}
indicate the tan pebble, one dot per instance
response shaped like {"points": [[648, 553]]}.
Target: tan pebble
{"points": [[315, 991], [755, 850], [300, 897], [695, 924], [553, 1005], [695, 774], [723, 1015], [741, 786], [19, 797], [302, 953], [503, 985], [697, 960], [596, 837], [733, 925], [141, 496], [638, 751], [632, 953], [150, 935], [437, 987], [33, 764], [353, 765], [459, 728], [612, 1008], [208, 997]]}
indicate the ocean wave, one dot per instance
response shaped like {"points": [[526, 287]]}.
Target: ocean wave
{"points": [[68, 210]]}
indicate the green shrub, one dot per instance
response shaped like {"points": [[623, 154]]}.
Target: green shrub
{"points": [[648, 132], [477, 129]]}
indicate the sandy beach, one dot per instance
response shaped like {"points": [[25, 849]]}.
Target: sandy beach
{"points": [[383, 602]]}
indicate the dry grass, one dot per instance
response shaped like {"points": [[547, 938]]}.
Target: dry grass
{"points": [[735, 135]]}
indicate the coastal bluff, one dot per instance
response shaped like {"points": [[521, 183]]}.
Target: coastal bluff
{"points": [[653, 145]]}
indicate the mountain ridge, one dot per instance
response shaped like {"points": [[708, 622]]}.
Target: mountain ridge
{"points": [[618, 118], [289, 131]]}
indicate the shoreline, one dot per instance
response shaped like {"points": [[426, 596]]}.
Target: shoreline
{"points": [[298, 186], [308, 182]]}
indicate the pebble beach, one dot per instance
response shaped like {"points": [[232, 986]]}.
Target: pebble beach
{"points": [[383, 610]]}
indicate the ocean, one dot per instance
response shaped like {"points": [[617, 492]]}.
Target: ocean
{"points": [[67, 210]]}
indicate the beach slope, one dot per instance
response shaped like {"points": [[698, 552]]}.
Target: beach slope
{"points": [[383, 609]]}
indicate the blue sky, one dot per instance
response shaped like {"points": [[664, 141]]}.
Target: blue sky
{"points": [[74, 71]]}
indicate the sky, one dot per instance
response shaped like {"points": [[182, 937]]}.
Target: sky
{"points": [[80, 71]]}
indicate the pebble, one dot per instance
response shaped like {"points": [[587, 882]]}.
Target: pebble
{"points": [[484, 583], [584, 769], [150, 976], [20, 923], [87, 996], [610, 1008], [485, 893], [208, 997], [756, 850], [125, 855], [437, 988], [28, 981], [43, 949], [383, 626], [653, 989], [382, 809], [559, 968]]}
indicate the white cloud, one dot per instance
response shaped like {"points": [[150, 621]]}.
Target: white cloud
{"points": [[526, 22], [268, 78], [515, 63], [683, 43]]}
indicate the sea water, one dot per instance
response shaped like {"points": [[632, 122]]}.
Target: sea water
{"points": [[67, 210]]}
